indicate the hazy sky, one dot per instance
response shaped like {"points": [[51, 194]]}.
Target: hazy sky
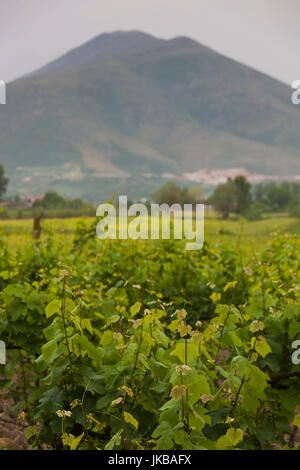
{"points": [[264, 34]]}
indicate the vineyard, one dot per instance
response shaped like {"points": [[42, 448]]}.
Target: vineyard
{"points": [[143, 345]]}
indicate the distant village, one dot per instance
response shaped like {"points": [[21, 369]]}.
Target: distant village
{"points": [[18, 202]]}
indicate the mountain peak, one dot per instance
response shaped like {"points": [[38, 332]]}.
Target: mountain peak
{"points": [[117, 45], [107, 46], [184, 41]]}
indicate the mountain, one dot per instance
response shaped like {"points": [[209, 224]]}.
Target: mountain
{"points": [[126, 109]]}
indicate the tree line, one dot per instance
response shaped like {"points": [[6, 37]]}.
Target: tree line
{"points": [[237, 196]]}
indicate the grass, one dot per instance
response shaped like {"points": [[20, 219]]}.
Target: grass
{"points": [[251, 234]]}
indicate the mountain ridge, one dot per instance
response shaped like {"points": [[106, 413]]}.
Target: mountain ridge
{"points": [[115, 45], [127, 104]]}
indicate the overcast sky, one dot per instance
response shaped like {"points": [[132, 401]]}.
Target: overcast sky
{"points": [[264, 34]]}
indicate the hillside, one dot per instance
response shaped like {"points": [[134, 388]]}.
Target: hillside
{"points": [[125, 109]]}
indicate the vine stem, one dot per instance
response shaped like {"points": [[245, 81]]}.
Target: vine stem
{"points": [[224, 324], [24, 388], [138, 351], [182, 400], [63, 308], [85, 417], [124, 424], [221, 336], [187, 392], [254, 344], [244, 377]]}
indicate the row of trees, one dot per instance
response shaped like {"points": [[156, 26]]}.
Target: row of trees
{"points": [[54, 205], [237, 196], [53, 200], [283, 196], [170, 193], [233, 196]]}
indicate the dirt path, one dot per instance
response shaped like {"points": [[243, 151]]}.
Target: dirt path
{"points": [[12, 434]]}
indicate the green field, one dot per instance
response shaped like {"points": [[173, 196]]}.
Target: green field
{"points": [[249, 234]]}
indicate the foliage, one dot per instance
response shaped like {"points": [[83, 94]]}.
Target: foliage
{"points": [[143, 345], [53, 201], [242, 194], [240, 197], [50, 206], [224, 198], [171, 194], [278, 197]]}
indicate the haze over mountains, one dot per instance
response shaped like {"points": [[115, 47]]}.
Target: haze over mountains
{"points": [[126, 109]]}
